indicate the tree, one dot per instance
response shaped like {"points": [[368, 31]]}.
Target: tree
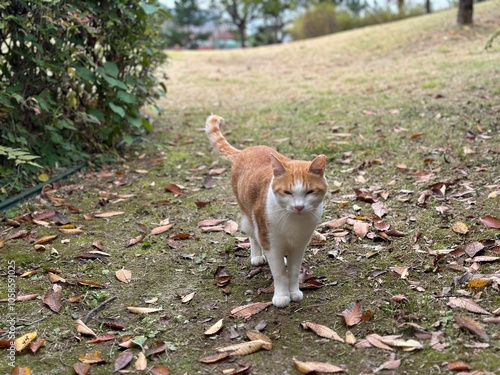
{"points": [[465, 11], [185, 15], [275, 10], [241, 13]]}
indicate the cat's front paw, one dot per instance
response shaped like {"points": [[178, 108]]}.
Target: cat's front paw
{"points": [[281, 301], [296, 296], [258, 260]]}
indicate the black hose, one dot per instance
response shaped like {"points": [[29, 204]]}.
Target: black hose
{"points": [[11, 202]]}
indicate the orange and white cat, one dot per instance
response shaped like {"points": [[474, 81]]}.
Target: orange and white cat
{"points": [[281, 201]]}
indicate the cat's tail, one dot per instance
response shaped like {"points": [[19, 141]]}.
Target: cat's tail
{"points": [[218, 141]]}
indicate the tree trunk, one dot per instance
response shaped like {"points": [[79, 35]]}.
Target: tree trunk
{"points": [[465, 10], [243, 36], [428, 7]]}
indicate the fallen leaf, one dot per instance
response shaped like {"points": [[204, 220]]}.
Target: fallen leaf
{"points": [[210, 222], [490, 221], [216, 357], [82, 328], [22, 342], [123, 360], [159, 370], [71, 231], [310, 367], [391, 364], [135, 240], [188, 297], [380, 209], [472, 326], [458, 366], [460, 228], [231, 227], [36, 344], [222, 278], [361, 228], [103, 338], [352, 315], [125, 276], [467, 304], [247, 311], [109, 214], [473, 248], [335, 223], [365, 196], [156, 348], [93, 357], [406, 345], [350, 338], [321, 330], [214, 328], [376, 341], [112, 323], [81, 368], [161, 229], [175, 189], [478, 283], [53, 297], [45, 239], [256, 335], [243, 348], [143, 310], [141, 363]]}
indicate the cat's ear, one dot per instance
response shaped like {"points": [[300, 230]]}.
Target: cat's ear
{"points": [[278, 168], [318, 165]]}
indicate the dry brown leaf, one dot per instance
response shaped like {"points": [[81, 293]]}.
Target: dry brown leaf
{"points": [[321, 330], [244, 348], [231, 227], [482, 258], [473, 248], [109, 214], [352, 314], [53, 297], [472, 326], [218, 228], [135, 240], [188, 297], [103, 338], [143, 310], [460, 228], [458, 366], [391, 364], [406, 345], [125, 276], [361, 228], [159, 370], [256, 335], [210, 222], [375, 340], [380, 209], [175, 189], [478, 283], [214, 328], [310, 367], [22, 342], [335, 223], [490, 221], [93, 357], [247, 311], [350, 338], [82, 328], [467, 304], [36, 344], [53, 278], [81, 368], [123, 360], [222, 278], [45, 239], [216, 357], [161, 229], [141, 363], [71, 231]]}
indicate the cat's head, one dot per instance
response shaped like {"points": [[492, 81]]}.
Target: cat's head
{"points": [[299, 186]]}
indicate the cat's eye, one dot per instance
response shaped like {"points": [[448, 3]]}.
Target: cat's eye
{"points": [[288, 192], [309, 192]]}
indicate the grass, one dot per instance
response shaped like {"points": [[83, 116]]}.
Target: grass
{"points": [[420, 92]]}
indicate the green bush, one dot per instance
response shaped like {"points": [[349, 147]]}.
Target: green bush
{"points": [[73, 77], [325, 18]]}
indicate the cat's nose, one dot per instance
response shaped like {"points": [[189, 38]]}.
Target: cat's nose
{"points": [[299, 208]]}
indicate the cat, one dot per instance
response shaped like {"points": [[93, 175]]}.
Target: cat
{"points": [[281, 202]]}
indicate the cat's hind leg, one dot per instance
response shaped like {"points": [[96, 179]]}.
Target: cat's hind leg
{"points": [[257, 257]]}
